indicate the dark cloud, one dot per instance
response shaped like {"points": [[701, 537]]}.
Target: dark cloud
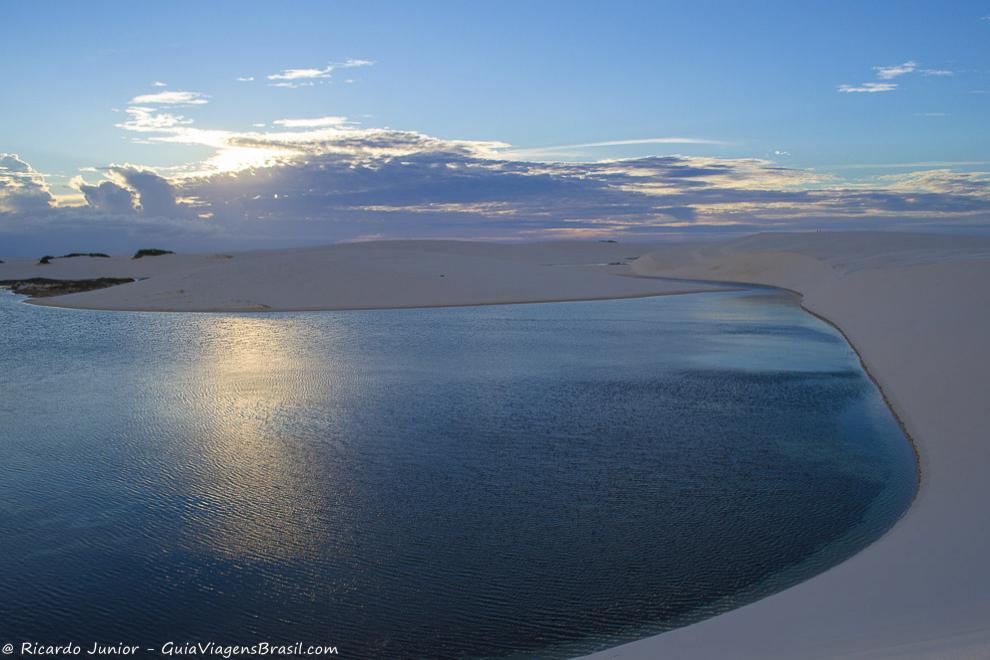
{"points": [[108, 196], [345, 185], [155, 195], [416, 190], [133, 190], [57, 230]]}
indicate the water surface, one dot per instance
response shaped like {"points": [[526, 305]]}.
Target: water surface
{"points": [[520, 480]]}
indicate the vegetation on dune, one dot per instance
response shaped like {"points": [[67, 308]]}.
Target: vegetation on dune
{"points": [[47, 259], [150, 252], [42, 287]]}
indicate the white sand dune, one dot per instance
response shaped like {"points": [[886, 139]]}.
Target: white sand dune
{"points": [[916, 307], [356, 275]]}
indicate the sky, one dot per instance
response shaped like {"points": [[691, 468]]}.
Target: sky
{"points": [[224, 125]]}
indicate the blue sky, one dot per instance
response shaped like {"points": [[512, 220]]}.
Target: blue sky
{"points": [[836, 95]]}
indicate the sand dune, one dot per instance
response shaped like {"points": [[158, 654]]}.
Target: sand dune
{"points": [[357, 275], [916, 307]]}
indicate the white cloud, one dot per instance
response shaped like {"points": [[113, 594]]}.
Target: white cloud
{"points": [[868, 88], [144, 119], [158, 83], [915, 165], [550, 151], [653, 140], [888, 73], [292, 77], [891, 72], [171, 98], [316, 122], [245, 78], [292, 85], [297, 74], [22, 188]]}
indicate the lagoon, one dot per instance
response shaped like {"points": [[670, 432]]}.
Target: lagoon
{"points": [[518, 480]]}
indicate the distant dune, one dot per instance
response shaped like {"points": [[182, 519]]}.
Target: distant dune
{"points": [[915, 307], [357, 275]]}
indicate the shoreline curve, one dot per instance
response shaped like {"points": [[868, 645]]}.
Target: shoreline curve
{"points": [[916, 310]]}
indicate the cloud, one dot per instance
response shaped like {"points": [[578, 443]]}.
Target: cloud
{"points": [[306, 77], [107, 196], [130, 190], [539, 151], [939, 181], [888, 73], [158, 83], [293, 85], [316, 122], [245, 78], [297, 74], [911, 165], [154, 194], [868, 88], [891, 72], [22, 189], [171, 98], [340, 182], [144, 119], [360, 143]]}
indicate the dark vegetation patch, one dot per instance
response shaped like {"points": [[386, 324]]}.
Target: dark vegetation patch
{"points": [[150, 252], [47, 259], [42, 287]]}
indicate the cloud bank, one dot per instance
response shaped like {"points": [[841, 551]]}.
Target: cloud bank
{"points": [[323, 180]]}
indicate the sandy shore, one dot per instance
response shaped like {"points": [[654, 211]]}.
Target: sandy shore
{"points": [[916, 308]]}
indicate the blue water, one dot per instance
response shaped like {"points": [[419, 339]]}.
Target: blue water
{"points": [[522, 480]]}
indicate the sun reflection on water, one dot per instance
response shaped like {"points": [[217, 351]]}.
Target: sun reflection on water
{"points": [[261, 494]]}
